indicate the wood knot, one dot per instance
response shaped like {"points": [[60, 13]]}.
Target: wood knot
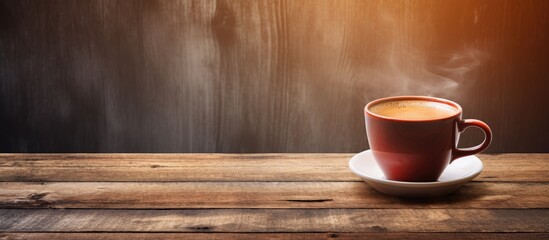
{"points": [[201, 228], [310, 200], [37, 196], [377, 228]]}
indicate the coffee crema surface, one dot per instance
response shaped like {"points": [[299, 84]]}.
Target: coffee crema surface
{"points": [[413, 109]]}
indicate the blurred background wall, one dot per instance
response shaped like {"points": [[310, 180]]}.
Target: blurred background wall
{"points": [[262, 75]]}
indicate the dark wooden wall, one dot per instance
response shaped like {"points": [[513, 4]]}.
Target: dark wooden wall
{"points": [[262, 75]]}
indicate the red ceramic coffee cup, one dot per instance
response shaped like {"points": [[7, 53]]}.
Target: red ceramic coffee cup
{"points": [[419, 150]]}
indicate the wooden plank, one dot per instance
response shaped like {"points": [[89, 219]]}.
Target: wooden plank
{"points": [[147, 195], [230, 167], [175, 167], [255, 236], [275, 220]]}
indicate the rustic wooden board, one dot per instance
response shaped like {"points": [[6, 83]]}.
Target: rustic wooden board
{"points": [[275, 220], [149, 195], [255, 236], [230, 167], [257, 196]]}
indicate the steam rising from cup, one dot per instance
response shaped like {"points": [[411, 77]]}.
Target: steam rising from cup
{"points": [[415, 72], [409, 64]]}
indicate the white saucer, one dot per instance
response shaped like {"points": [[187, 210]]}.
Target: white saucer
{"points": [[459, 172]]}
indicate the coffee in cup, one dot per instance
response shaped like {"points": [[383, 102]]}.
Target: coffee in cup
{"points": [[414, 138]]}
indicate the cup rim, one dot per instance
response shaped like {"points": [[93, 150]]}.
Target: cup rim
{"points": [[410, 97]]}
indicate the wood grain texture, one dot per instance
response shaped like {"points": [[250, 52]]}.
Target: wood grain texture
{"points": [[109, 195], [237, 196], [275, 220], [262, 76], [254, 236], [230, 167]]}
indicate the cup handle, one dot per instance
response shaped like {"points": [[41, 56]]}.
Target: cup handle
{"points": [[464, 124]]}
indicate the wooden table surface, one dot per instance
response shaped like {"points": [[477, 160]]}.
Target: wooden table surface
{"points": [[251, 196]]}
